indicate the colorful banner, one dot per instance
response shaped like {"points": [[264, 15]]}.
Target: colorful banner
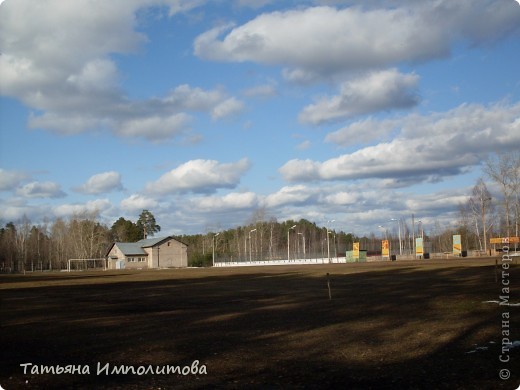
{"points": [[457, 246], [385, 249], [419, 250], [504, 240], [355, 250]]}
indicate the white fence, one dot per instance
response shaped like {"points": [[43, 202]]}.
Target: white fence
{"points": [[333, 260], [337, 260]]}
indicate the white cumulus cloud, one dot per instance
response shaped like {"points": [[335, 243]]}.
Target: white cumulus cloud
{"points": [[227, 108], [228, 202], [377, 91], [37, 189], [96, 206], [200, 176], [102, 183], [289, 195], [428, 148], [136, 202], [10, 180], [58, 62], [325, 40], [155, 127]]}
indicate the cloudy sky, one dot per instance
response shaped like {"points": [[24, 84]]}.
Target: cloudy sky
{"points": [[205, 111]]}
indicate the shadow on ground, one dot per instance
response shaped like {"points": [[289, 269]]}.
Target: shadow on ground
{"points": [[390, 327]]}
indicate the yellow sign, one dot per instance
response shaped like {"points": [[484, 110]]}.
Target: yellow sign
{"points": [[419, 250], [385, 249], [457, 246], [355, 250], [504, 240]]}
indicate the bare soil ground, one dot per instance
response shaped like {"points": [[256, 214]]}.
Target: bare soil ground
{"points": [[421, 324]]}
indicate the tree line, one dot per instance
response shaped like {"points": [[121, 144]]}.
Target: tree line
{"points": [[268, 239], [48, 246], [484, 216]]}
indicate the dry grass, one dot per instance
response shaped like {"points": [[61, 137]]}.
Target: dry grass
{"points": [[388, 325]]}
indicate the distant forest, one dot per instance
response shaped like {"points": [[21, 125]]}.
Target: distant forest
{"points": [[485, 214], [48, 246]]}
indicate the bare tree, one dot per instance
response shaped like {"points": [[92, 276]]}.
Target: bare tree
{"points": [[59, 238], [503, 170], [22, 236], [479, 203], [464, 222], [515, 189]]}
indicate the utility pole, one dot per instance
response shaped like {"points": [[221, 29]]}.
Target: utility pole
{"points": [[484, 221], [251, 231], [413, 235], [214, 248], [288, 243], [328, 242]]}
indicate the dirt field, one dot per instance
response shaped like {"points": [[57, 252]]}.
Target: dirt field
{"points": [[421, 324]]}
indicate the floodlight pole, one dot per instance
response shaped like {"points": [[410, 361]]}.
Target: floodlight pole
{"points": [[328, 245], [399, 228], [484, 221], [288, 243], [328, 242], [213, 262], [385, 230], [421, 231], [251, 231], [413, 235]]}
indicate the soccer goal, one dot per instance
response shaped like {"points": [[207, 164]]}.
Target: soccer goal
{"points": [[86, 264]]}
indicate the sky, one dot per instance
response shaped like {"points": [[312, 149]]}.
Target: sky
{"points": [[208, 112]]}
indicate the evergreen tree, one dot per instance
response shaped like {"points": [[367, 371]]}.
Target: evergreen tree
{"points": [[126, 231], [147, 224]]}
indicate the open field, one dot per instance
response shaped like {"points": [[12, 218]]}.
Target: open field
{"points": [[389, 325]]}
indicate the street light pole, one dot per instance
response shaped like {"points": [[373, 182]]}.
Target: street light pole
{"points": [[288, 243], [328, 242], [421, 231], [413, 235], [328, 245], [214, 248], [386, 231], [484, 222], [251, 231], [399, 227]]}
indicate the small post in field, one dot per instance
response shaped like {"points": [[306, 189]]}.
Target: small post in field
{"points": [[328, 286], [496, 270]]}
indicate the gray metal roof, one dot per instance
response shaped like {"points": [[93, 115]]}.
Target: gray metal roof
{"points": [[147, 242], [131, 248]]}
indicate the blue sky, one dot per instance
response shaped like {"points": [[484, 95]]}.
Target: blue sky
{"points": [[205, 112]]}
